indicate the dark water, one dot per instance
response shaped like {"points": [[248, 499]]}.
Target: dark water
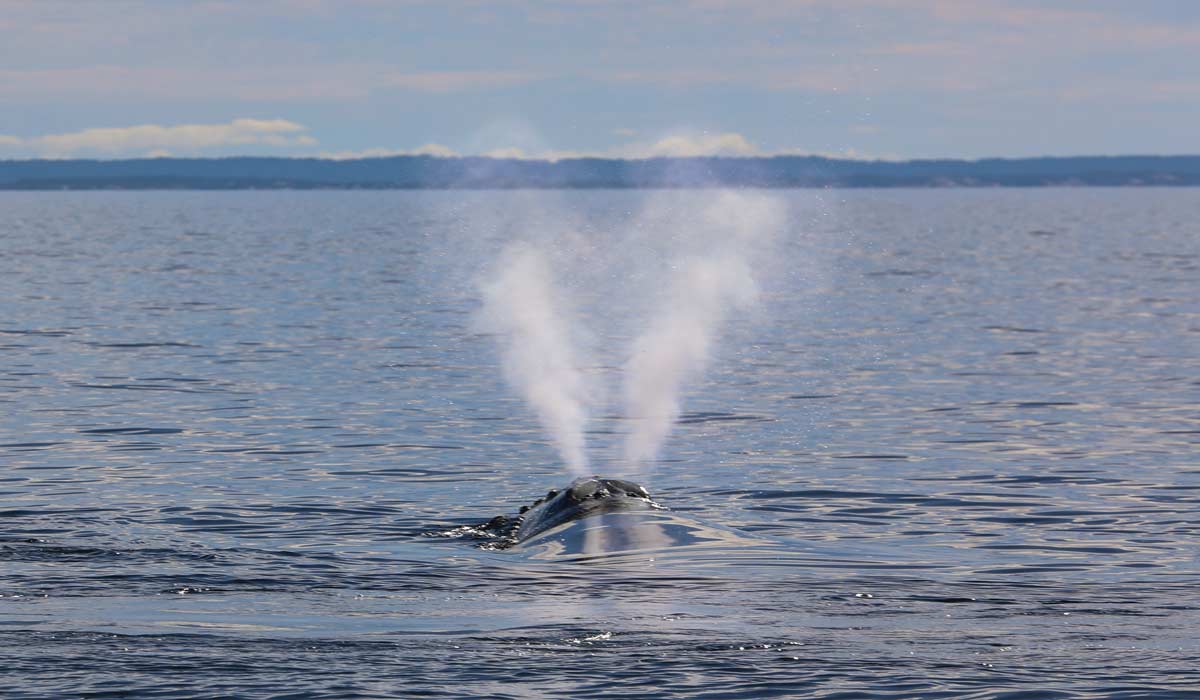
{"points": [[957, 454]]}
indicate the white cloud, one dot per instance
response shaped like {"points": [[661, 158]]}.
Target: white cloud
{"points": [[702, 144], [678, 145], [429, 149], [513, 152], [155, 141], [154, 138], [686, 145]]}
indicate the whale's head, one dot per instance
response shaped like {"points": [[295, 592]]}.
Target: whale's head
{"points": [[584, 497], [595, 516]]}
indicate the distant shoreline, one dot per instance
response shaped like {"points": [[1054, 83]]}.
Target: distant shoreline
{"points": [[474, 173]]}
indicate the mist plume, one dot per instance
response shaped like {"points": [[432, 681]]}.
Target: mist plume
{"points": [[712, 276], [522, 305]]}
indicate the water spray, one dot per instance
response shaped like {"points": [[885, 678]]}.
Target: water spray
{"points": [[713, 254], [522, 306]]}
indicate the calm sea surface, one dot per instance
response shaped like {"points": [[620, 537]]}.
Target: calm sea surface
{"points": [[954, 453]]}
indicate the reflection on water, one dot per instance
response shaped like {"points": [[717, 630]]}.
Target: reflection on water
{"points": [[630, 534], [955, 455]]}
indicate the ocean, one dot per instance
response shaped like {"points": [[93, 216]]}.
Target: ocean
{"points": [[943, 443]]}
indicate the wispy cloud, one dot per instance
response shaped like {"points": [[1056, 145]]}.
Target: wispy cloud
{"points": [[157, 139], [792, 78], [273, 83], [456, 81], [1104, 92]]}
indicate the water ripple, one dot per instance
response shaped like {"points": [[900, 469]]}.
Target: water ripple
{"points": [[955, 457]]}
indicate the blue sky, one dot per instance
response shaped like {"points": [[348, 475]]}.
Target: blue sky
{"points": [[859, 78]]}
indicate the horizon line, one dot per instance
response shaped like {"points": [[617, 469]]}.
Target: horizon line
{"points": [[585, 157]]}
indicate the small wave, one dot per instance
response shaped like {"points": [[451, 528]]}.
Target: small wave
{"points": [[132, 431]]}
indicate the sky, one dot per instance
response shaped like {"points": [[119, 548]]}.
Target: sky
{"points": [[891, 79]]}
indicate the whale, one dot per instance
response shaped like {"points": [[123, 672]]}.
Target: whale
{"points": [[584, 498], [598, 518]]}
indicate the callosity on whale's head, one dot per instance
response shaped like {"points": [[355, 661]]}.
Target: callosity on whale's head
{"points": [[584, 497]]}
